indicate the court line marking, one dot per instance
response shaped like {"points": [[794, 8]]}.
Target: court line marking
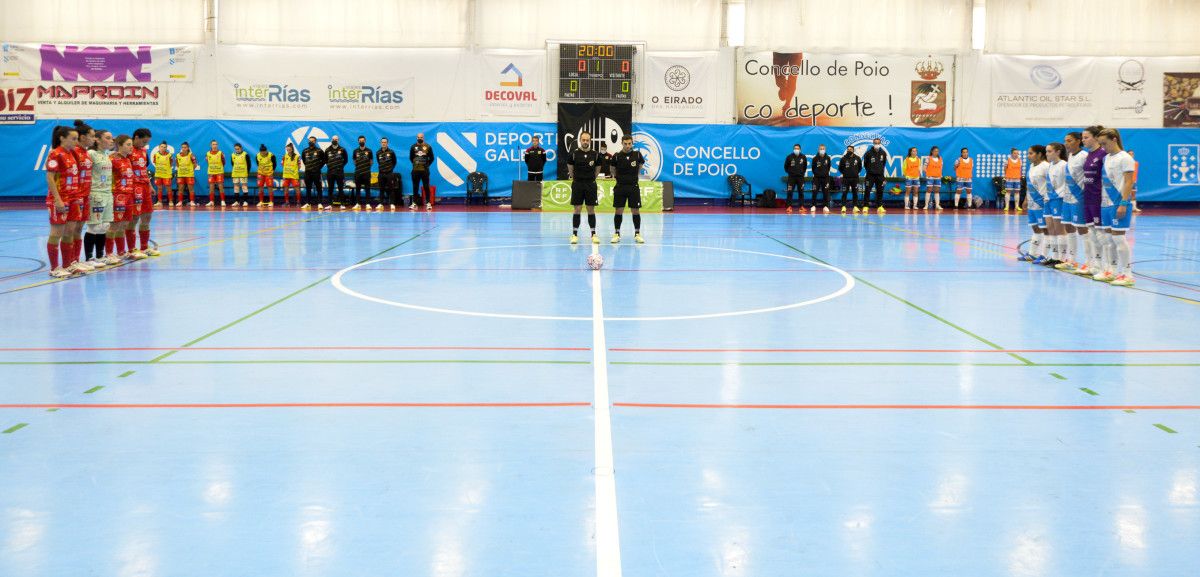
{"points": [[280, 300], [566, 362], [846, 287], [914, 407], [608, 541], [886, 364], [292, 348], [990, 351], [14, 428], [282, 405], [913, 305], [1166, 428]]}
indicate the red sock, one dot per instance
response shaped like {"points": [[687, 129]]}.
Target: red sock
{"points": [[144, 238], [120, 242], [66, 248], [130, 239], [52, 254], [110, 245], [78, 248]]}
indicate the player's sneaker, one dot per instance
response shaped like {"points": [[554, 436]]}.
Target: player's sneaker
{"points": [[158, 204], [1005, 209], [1122, 280], [1106, 276], [938, 207], [1038, 260], [210, 203], [78, 268], [225, 204], [137, 255], [112, 260], [881, 210], [412, 206], [270, 204], [855, 210], [392, 207], [355, 208], [844, 210], [428, 206], [152, 252], [574, 239], [60, 273], [825, 209], [1020, 210], [1025, 257], [789, 210], [1083, 270], [97, 263], [616, 239], [637, 237], [304, 207], [812, 209], [595, 238], [1066, 266]]}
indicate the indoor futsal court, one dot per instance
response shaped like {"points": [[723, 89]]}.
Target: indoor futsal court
{"points": [[544, 288]]}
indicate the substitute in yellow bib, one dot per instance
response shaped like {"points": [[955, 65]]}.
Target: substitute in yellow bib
{"points": [[291, 173], [266, 175], [161, 161], [240, 161], [185, 171], [216, 173]]}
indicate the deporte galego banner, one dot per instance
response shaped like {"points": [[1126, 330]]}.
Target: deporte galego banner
{"points": [[698, 158], [98, 64]]}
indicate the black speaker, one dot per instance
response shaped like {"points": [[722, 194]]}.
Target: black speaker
{"points": [[526, 194]]}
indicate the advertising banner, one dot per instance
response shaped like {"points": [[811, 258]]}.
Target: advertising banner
{"points": [[319, 98], [99, 64], [1036, 91], [513, 83], [17, 104], [607, 123], [1181, 99], [804, 89], [678, 85], [85, 100], [556, 195]]}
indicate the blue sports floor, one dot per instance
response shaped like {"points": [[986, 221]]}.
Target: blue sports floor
{"points": [[744, 395]]}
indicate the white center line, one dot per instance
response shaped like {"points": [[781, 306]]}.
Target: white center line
{"points": [[608, 542]]}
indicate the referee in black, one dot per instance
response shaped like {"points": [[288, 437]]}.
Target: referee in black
{"points": [[314, 159], [582, 165], [389, 181], [363, 157], [875, 161], [625, 166], [535, 159]]}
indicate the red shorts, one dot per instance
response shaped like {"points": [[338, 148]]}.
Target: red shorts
{"points": [[291, 182], [162, 181], [77, 211], [147, 199], [265, 181], [217, 179], [188, 180], [121, 202]]}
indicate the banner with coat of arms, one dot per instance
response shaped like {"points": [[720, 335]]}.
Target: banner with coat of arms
{"points": [[806, 89]]}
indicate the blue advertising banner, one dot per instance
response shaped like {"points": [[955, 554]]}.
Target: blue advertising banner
{"points": [[697, 158]]}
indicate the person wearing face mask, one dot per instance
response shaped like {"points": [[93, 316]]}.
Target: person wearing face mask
{"points": [[420, 155], [850, 166], [582, 165], [875, 160], [335, 173], [795, 166], [313, 159], [363, 157], [821, 163]]}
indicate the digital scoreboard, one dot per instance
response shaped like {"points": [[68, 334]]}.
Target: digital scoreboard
{"points": [[595, 72]]}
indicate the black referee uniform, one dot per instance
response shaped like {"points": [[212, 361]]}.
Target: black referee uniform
{"points": [[626, 166], [363, 157], [584, 164]]}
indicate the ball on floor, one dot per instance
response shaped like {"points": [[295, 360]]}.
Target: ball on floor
{"points": [[595, 261]]}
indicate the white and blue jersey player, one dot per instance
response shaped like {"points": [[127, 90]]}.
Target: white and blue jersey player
{"points": [[1116, 210], [1039, 180]]}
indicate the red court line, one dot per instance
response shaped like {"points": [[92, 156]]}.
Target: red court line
{"points": [[994, 351], [365, 348], [279, 405], [918, 407]]}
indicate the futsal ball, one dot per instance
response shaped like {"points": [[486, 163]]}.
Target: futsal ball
{"points": [[595, 261]]}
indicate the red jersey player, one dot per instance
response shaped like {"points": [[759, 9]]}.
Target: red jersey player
{"points": [[62, 182], [124, 199], [74, 228], [143, 199]]}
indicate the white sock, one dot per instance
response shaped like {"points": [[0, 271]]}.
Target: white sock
{"points": [[1124, 255], [1113, 258], [956, 199], [1035, 244], [1072, 252]]}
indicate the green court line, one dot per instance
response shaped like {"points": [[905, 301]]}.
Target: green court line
{"points": [[1166, 428], [909, 303], [1130, 411], [52, 410], [1058, 376], [1089, 391], [14, 428], [93, 389], [124, 374], [288, 296]]}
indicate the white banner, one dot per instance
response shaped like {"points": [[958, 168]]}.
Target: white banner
{"points": [[1129, 98], [98, 64], [18, 104], [512, 83], [82, 100], [1036, 91], [316, 98], [678, 85], [802, 89]]}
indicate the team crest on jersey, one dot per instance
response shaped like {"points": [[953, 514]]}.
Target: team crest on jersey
{"points": [[52, 163]]}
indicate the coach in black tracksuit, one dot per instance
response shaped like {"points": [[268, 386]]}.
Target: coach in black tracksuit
{"points": [[421, 157], [795, 165], [389, 181], [335, 174], [850, 167], [875, 160], [821, 163], [314, 159], [362, 171], [535, 159]]}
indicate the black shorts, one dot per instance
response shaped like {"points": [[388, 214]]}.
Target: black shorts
{"points": [[583, 192], [627, 194]]}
